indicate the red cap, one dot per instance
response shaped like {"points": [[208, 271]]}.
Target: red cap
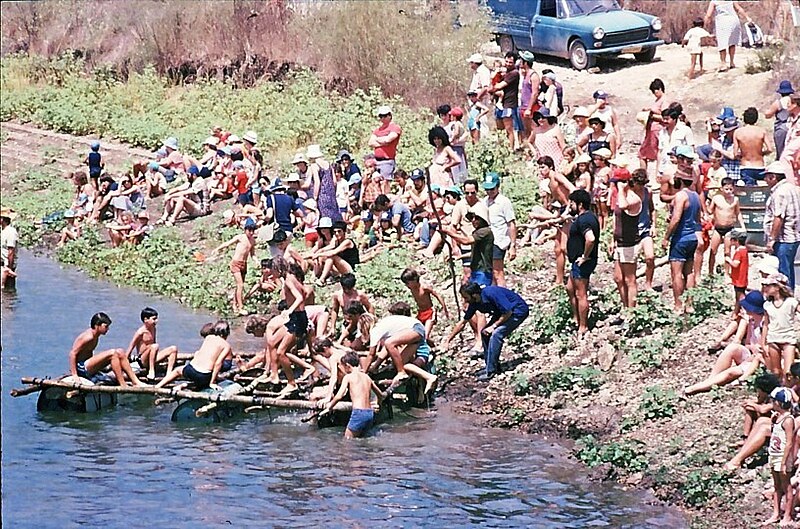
{"points": [[621, 174], [457, 113]]}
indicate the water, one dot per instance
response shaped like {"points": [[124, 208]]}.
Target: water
{"points": [[132, 467]]}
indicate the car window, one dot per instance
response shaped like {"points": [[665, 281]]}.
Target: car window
{"points": [[548, 8], [584, 7]]}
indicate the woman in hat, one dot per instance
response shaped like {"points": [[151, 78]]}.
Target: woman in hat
{"points": [[648, 151], [548, 138], [326, 197], [738, 360], [582, 128], [444, 157], [598, 138], [779, 109], [581, 175]]}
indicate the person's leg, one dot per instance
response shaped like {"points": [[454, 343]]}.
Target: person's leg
{"points": [[561, 255], [172, 375], [697, 259], [772, 359], [619, 280], [678, 283], [582, 295], [573, 300], [495, 344], [759, 434], [787, 354], [508, 124], [179, 205], [410, 338], [716, 239], [326, 271], [238, 291], [690, 281], [723, 56], [776, 499], [789, 499], [170, 354], [691, 66], [629, 275], [701, 61], [429, 379], [434, 244], [786, 252], [498, 273], [340, 265], [649, 262], [286, 345], [731, 55], [715, 379]]}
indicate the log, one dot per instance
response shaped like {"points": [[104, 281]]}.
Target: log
{"points": [[661, 261], [205, 410], [19, 392], [184, 394]]}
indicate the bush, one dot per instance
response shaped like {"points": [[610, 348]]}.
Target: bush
{"points": [[554, 320], [649, 314], [566, 378], [521, 383], [657, 403], [703, 485], [767, 58], [708, 299], [648, 353], [621, 455]]}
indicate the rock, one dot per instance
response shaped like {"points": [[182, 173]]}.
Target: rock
{"points": [[606, 356]]}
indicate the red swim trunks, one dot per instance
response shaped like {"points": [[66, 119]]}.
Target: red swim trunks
{"points": [[425, 315]]}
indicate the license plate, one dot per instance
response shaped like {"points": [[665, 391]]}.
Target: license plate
{"points": [[632, 49]]}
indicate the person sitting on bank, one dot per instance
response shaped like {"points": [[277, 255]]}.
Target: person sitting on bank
{"points": [[506, 311], [84, 363], [190, 197], [207, 362], [340, 255], [359, 385]]}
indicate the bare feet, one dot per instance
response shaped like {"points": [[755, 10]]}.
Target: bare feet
{"points": [[288, 390], [430, 385], [773, 520], [730, 466], [308, 372], [141, 384]]}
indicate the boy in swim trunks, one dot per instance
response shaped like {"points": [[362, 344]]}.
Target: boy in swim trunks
{"points": [[343, 298], [84, 364], [726, 215], [147, 348], [422, 295], [245, 248], [267, 283], [294, 294], [359, 384], [207, 362]]}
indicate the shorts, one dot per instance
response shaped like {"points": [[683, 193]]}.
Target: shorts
{"points": [[583, 271], [245, 198], [627, 254], [682, 251], [239, 266], [200, 379], [739, 290], [723, 231], [774, 463], [227, 364], [419, 329], [311, 237], [498, 254], [82, 372], [360, 420], [425, 315], [751, 175], [480, 277], [386, 168], [298, 324]]}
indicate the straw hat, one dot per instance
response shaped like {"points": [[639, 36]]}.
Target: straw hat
{"points": [[233, 138], [8, 213], [251, 137], [299, 158], [212, 141], [580, 112], [293, 177], [310, 203], [476, 58], [383, 110], [314, 152]]}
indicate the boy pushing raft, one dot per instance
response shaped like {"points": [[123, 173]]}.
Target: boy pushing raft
{"points": [[359, 384]]}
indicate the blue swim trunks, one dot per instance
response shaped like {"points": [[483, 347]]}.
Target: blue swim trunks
{"points": [[360, 420]]}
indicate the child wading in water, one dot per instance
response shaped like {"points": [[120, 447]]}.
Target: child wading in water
{"points": [[359, 384], [245, 248], [779, 339], [781, 450]]}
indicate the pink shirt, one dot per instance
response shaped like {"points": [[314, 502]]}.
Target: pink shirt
{"points": [[388, 151]]}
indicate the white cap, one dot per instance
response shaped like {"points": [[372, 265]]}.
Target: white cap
{"points": [[314, 152], [250, 136], [383, 110], [477, 58], [580, 112], [776, 167]]}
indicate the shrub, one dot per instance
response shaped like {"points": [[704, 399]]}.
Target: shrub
{"points": [[566, 378], [648, 353], [521, 383], [625, 455], [703, 485], [649, 314], [708, 299], [554, 320], [657, 403]]}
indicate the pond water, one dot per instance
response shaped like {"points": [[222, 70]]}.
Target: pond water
{"points": [[132, 467]]}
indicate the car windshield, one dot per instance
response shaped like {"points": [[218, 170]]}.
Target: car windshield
{"points": [[575, 8]]}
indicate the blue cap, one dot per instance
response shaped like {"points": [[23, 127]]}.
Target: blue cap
{"points": [[355, 179], [491, 180], [454, 189], [753, 302], [436, 188], [685, 151], [193, 170], [153, 166], [249, 224], [600, 94], [783, 395], [785, 88], [727, 112], [95, 145], [417, 174]]}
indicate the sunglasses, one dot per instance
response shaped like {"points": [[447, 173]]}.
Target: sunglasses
{"points": [[470, 193]]}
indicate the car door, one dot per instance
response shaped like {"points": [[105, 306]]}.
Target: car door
{"points": [[544, 27]]}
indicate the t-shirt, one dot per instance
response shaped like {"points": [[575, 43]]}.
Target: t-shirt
{"points": [[496, 301], [693, 37], [8, 240], [501, 213], [283, 205], [510, 92], [388, 151], [389, 326], [586, 221], [398, 208], [781, 329], [739, 273], [240, 182], [342, 193], [175, 161], [482, 250]]}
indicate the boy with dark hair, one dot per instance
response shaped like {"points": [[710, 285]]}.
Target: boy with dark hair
{"points": [[757, 419], [739, 263], [422, 296], [267, 282], [359, 385], [84, 364], [343, 298], [147, 348], [207, 362]]}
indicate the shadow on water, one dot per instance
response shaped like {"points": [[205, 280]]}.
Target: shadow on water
{"points": [[130, 466]]}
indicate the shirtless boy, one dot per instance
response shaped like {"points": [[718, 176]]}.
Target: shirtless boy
{"points": [[147, 348], [359, 384], [293, 293], [245, 248], [207, 361], [348, 294], [267, 283], [750, 144], [422, 295], [725, 213], [83, 363]]}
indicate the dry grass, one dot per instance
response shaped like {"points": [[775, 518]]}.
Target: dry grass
{"points": [[406, 48]]}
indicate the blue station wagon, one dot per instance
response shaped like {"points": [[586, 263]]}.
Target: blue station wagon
{"points": [[578, 30]]}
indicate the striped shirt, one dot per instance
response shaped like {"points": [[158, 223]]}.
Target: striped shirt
{"points": [[784, 202]]}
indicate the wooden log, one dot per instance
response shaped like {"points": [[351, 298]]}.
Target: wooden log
{"points": [[185, 394], [208, 408], [661, 261], [19, 392]]}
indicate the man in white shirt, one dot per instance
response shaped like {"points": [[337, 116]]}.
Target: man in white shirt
{"points": [[673, 134], [8, 244], [504, 227], [481, 84]]}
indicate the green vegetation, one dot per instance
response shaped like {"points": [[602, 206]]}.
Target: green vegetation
{"points": [[657, 403], [554, 320], [701, 486], [708, 299], [567, 378], [648, 353], [37, 195], [627, 456], [651, 313], [521, 383]]}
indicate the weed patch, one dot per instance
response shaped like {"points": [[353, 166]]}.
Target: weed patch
{"points": [[627, 456]]}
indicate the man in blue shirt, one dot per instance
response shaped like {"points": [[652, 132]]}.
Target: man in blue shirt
{"points": [[399, 214], [506, 311]]}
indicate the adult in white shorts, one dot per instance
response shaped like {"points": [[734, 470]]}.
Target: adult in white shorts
{"points": [[627, 240]]}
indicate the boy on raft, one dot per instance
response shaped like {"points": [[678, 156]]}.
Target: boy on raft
{"points": [[207, 361], [147, 348]]}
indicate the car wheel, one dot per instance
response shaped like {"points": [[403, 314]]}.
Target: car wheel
{"points": [[646, 56], [578, 57], [506, 44]]}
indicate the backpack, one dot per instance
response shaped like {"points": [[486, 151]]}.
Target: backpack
{"points": [[753, 36]]}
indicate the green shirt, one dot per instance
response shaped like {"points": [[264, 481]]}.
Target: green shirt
{"points": [[482, 250]]}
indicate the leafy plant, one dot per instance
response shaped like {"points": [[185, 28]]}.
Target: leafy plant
{"points": [[703, 485], [624, 455], [649, 314], [646, 353], [708, 299], [516, 416], [657, 403], [553, 321], [565, 378], [521, 383]]}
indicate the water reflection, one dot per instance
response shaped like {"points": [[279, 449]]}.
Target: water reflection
{"points": [[131, 466]]}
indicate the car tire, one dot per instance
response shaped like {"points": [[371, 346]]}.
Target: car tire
{"points": [[578, 57], [646, 56], [506, 43]]}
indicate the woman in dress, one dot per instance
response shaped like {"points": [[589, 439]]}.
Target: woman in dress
{"points": [[548, 138], [444, 158], [780, 111], [727, 28], [459, 135], [326, 200], [648, 152]]}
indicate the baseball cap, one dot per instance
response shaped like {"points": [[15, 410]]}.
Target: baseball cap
{"points": [[491, 180], [383, 110], [417, 174], [782, 395], [600, 94]]}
